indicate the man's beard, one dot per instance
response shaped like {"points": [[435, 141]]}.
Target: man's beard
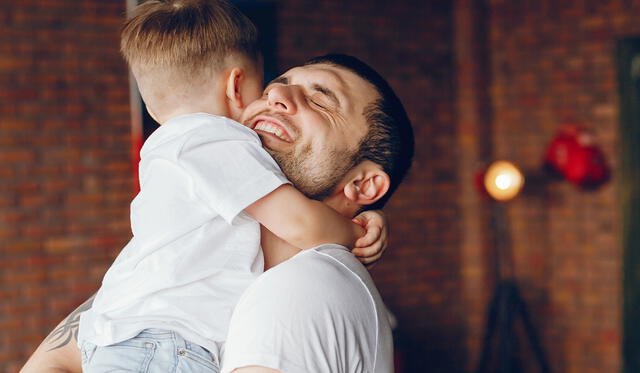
{"points": [[315, 178]]}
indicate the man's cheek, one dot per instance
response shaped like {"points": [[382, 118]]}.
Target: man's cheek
{"points": [[250, 111], [251, 94]]}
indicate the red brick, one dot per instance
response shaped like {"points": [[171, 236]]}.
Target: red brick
{"points": [[15, 156]]}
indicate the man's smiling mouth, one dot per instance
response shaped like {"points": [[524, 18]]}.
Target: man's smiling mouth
{"points": [[273, 128]]}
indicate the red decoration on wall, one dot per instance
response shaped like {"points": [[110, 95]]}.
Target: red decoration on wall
{"points": [[478, 182], [574, 156], [136, 144]]}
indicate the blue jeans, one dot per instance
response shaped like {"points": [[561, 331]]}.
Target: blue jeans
{"points": [[151, 351]]}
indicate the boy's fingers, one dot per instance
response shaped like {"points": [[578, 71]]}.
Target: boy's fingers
{"points": [[371, 236], [383, 244], [370, 259], [384, 234], [364, 260], [360, 221], [363, 252], [371, 251]]}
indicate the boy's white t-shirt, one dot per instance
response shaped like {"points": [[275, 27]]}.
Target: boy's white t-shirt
{"points": [[193, 250]]}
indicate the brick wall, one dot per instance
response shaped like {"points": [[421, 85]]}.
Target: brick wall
{"points": [[552, 63], [65, 174]]}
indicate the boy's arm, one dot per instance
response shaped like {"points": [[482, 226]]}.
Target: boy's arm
{"points": [[303, 222], [59, 352]]}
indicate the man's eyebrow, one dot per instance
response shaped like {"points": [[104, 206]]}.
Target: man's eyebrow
{"points": [[279, 80], [327, 92]]}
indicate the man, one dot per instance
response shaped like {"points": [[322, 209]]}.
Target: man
{"points": [[340, 135]]}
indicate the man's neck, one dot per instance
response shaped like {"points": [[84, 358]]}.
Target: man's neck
{"points": [[275, 249]]}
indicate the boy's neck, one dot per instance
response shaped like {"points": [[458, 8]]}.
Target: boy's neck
{"points": [[169, 94], [214, 108]]}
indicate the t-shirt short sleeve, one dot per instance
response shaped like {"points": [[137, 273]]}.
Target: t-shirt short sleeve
{"points": [[307, 315], [229, 172]]}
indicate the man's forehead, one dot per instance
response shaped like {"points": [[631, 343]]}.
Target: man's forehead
{"points": [[335, 77], [329, 73]]}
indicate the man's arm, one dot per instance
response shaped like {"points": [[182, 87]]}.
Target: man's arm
{"points": [[59, 352]]}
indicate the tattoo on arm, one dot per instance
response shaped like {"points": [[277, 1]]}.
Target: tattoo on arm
{"points": [[68, 329]]}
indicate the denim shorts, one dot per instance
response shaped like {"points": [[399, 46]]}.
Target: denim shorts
{"points": [[151, 351]]}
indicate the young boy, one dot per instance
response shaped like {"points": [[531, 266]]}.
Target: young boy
{"points": [[206, 185]]}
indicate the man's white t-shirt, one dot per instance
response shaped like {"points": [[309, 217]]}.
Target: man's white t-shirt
{"points": [[193, 250], [318, 312]]}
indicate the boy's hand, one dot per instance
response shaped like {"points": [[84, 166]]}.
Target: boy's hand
{"points": [[369, 248]]}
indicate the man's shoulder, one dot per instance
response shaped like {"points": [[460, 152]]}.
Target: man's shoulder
{"points": [[324, 267], [327, 280], [315, 312]]}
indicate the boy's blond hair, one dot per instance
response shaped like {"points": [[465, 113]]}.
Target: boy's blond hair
{"points": [[187, 35]]}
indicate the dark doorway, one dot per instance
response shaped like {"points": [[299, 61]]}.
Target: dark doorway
{"points": [[628, 64]]}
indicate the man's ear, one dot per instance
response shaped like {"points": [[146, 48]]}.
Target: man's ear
{"points": [[367, 183], [233, 88]]}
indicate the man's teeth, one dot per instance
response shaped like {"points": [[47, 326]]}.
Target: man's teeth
{"points": [[268, 127]]}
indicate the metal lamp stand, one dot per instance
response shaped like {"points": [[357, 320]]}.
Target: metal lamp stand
{"points": [[506, 307]]}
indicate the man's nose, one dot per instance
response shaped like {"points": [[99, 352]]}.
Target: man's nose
{"points": [[283, 98]]}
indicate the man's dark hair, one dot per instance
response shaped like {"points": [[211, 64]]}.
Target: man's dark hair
{"points": [[389, 141]]}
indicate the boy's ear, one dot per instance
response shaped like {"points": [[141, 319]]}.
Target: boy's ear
{"points": [[367, 184], [233, 88]]}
